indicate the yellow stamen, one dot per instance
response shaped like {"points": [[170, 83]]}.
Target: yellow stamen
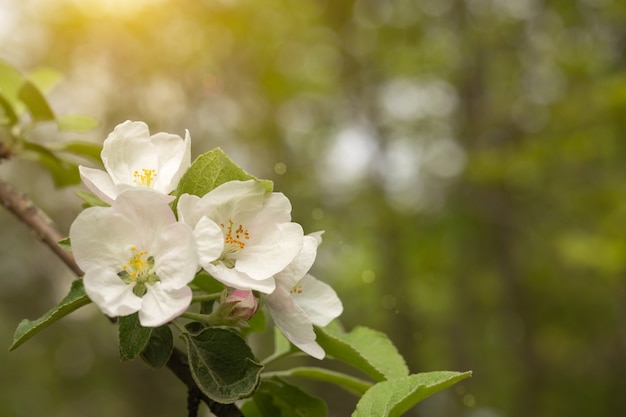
{"points": [[235, 239], [297, 289], [145, 178]]}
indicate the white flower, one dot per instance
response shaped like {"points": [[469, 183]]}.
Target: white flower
{"points": [[132, 158], [300, 301], [245, 235], [136, 257]]}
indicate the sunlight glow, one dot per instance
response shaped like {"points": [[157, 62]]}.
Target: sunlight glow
{"points": [[122, 8]]}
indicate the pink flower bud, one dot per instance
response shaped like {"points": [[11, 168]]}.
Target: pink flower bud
{"points": [[244, 304]]}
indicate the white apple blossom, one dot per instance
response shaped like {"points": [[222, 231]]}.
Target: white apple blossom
{"points": [[300, 300], [136, 257], [245, 235], [132, 158]]}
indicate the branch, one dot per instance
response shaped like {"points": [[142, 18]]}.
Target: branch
{"points": [[26, 211]]}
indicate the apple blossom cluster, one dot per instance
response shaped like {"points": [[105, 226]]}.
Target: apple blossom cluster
{"points": [[140, 254]]}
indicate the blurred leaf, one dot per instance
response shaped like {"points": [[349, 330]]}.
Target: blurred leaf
{"points": [[354, 385], [44, 78], [8, 116], [211, 170], [90, 200], [133, 337], [222, 364], [75, 299], [394, 397], [159, 347], [35, 101], [63, 172], [257, 324], [367, 350], [277, 398], [76, 123], [10, 81], [86, 149]]}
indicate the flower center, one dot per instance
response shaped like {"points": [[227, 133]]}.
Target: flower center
{"points": [[145, 177], [297, 289], [234, 238], [138, 270]]}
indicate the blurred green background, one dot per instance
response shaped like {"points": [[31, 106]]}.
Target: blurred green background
{"points": [[465, 157]]}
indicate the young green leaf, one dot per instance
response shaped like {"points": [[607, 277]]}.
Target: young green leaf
{"points": [[76, 123], [222, 364], [63, 172], [44, 78], [277, 398], [133, 336], [65, 243], [75, 299], [394, 397], [35, 102], [348, 382], [8, 116], [367, 350], [85, 149], [90, 200], [159, 347], [210, 170], [10, 81]]}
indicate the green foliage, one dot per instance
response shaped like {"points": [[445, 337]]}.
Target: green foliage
{"points": [[277, 398], [222, 364], [367, 350], [211, 170], [75, 299], [393, 397], [21, 93], [133, 337], [159, 347], [351, 384]]}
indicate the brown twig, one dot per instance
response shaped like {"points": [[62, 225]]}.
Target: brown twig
{"points": [[26, 211]]}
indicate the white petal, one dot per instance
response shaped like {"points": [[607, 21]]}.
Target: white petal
{"points": [[318, 300], [272, 252], [187, 209], [210, 240], [160, 306], [100, 238], [175, 256], [99, 183], [300, 265], [148, 211], [110, 293], [125, 148], [236, 279], [293, 322], [173, 158], [276, 209]]}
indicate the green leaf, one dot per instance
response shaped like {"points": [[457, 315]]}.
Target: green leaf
{"points": [[367, 350], [394, 397], [85, 149], [10, 81], [222, 364], [35, 102], [90, 200], [75, 299], [8, 116], [77, 123], [159, 347], [65, 244], [348, 382], [133, 336], [211, 170], [44, 78], [277, 398], [63, 172]]}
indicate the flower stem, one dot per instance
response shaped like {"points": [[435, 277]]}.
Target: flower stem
{"points": [[200, 298], [209, 319]]}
